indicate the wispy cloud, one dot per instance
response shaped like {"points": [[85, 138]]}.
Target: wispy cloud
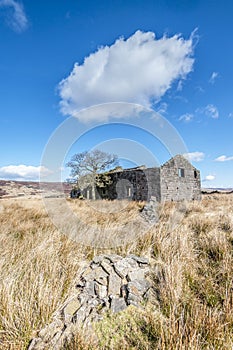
{"points": [[162, 109], [210, 111], [213, 77], [14, 15], [187, 117], [230, 115], [200, 89], [23, 172], [223, 158], [180, 85], [139, 69], [195, 156]]}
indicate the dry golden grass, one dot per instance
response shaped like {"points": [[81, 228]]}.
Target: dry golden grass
{"points": [[190, 249]]}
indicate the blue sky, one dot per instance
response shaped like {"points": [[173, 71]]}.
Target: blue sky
{"points": [[173, 57]]}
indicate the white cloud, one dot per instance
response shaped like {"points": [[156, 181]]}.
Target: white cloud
{"points": [[209, 178], [230, 115], [195, 156], [23, 172], [14, 15], [105, 111], [223, 158], [139, 69], [187, 117], [210, 111], [213, 77]]}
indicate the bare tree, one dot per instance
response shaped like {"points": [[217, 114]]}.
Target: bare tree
{"points": [[89, 169]]}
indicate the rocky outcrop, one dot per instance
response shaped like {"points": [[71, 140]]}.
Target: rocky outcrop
{"points": [[110, 282]]}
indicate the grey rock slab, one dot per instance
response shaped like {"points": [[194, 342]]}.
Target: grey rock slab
{"points": [[90, 288], [118, 304], [114, 284], [123, 266], [138, 287], [138, 274], [71, 307], [106, 265], [101, 276], [134, 299], [101, 290]]}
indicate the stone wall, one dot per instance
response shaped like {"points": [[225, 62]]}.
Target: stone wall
{"points": [[179, 180], [164, 183], [134, 184]]}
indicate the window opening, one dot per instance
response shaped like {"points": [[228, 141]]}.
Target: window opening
{"points": [[180, 172]]}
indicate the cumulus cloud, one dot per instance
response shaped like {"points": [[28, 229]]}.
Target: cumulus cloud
{"points": [[14, 15], [23, 172], [209, 178], [139, 69], [223, 158], [187, 117], [195, 156], [213, 77]]}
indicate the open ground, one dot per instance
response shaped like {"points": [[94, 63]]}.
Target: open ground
{"points": [[190, 250]]}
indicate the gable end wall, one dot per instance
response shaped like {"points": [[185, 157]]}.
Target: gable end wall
{"points": [[176, 188]]}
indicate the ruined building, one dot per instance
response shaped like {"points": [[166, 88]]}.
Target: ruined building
{"points": [[175, 180]]}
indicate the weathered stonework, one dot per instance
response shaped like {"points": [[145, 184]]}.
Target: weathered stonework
{"points": [[175, 180], [110, 282], [179, 180]]}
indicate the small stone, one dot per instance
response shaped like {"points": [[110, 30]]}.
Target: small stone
{"points": [[101, 291], [118, 304], [93, 302]]}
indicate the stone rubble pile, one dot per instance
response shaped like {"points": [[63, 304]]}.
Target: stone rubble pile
{"points": [[109, 283]]}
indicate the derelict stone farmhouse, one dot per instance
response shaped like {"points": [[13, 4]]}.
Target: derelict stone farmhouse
{"points": [[175, 180]]}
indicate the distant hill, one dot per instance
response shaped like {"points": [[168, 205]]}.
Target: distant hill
{"points": [[28, 189], [216, 190]]}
